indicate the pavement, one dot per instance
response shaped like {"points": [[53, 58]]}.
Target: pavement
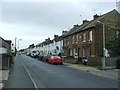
{"points": [[20, 75], [108, 73], [111, 73], [3, 77]]}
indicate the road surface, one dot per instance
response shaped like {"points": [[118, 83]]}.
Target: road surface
{"points": [[47, 75]]}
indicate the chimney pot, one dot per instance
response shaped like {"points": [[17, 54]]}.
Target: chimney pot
{"points": [[95, 16]]}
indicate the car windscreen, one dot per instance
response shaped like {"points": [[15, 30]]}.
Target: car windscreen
{"points": [[56, 57]]}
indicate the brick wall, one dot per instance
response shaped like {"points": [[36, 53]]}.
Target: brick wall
{"points": [[93, 61], [70, 59], [109, 62], [112, 62]]}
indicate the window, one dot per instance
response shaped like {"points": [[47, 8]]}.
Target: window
{"points": [[74, 52], [90, 35], [83, 52], [65, 42], [117, 32], [84, 37], [76, 38], [71, 52], [73, 39], [68, 41]]}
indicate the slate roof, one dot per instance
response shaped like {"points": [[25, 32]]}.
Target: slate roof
{"points": [[103, 18]]}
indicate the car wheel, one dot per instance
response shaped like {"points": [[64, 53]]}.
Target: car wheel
{"points": [[61, 63]]}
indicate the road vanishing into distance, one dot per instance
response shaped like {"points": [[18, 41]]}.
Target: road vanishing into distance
{"points": [[45, 75]]}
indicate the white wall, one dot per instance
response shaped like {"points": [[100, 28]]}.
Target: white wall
{"points": [[3, 50]]}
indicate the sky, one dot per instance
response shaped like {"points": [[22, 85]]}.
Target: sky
{"points": [[33, 21]]}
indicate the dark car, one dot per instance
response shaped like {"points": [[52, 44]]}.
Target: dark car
{"points": [[41, 56], [84, 60], [46, 57]]}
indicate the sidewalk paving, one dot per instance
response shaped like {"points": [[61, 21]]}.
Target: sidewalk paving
{"points": [[110, 73], [18, 77], [3, 77]]}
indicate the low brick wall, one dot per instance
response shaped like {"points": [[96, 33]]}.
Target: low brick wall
{"points": [[109, 62], [93, 61], [112, 62], [70, 59]]}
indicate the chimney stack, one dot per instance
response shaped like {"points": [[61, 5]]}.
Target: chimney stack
{"points": [[75, 26], [85, 21], [55, 36], [64, 32], [95, 16]]}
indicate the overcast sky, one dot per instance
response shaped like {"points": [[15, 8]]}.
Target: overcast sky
{"points": [[35, 20]]}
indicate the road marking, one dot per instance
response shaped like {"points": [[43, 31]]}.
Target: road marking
{"points": [[30, 77]]}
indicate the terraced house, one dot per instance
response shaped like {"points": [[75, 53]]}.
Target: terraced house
{"points": [[54, 46], [86, 40]]}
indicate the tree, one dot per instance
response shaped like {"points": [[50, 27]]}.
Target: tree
{"points": [[113, 46]]}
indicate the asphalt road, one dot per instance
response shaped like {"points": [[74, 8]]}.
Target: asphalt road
{"points": [[46, 75]]}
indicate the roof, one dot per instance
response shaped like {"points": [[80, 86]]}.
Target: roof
{"points": [[7, 41], [71, 31], [109, 19], [58, 38], [105, 18]]}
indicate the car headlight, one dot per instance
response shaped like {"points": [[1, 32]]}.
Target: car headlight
{"points": [[86, 60]]}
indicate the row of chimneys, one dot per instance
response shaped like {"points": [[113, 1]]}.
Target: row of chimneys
{"points": [[85, 21], [75, 26], [94, 17], [55, 36]]}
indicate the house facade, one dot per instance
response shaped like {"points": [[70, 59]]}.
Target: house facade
{"points": [[86, 40], [54, 46], [6, 57]]}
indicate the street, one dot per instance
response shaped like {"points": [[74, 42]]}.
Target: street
{"points": [[45, 75]]}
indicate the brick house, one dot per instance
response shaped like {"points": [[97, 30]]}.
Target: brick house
{"points": [[86, 40]]}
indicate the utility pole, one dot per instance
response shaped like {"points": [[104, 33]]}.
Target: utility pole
{"points": [[15, 46], [18, 43], [103, 59]]}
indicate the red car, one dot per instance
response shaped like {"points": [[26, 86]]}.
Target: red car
{"points": [[55, 60]]}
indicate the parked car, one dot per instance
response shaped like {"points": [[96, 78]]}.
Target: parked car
{"points": [[84, 60], [28, 53], [55, 60], [46, 57], [41, 56], [34, 54]]}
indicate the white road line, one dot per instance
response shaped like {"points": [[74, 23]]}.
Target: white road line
{"points": [[30, 77]]}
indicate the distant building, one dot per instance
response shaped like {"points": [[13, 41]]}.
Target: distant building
{"points": [[6, 57]]}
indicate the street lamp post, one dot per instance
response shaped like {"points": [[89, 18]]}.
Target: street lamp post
{"points": [[15, 41], [103, 59], [18, 43]]}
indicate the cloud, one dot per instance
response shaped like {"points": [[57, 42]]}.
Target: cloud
{"points": [[73, 1], [36, 21]]}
